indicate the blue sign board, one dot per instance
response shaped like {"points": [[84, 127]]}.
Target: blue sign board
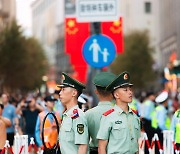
{"points": [[99, 51]]}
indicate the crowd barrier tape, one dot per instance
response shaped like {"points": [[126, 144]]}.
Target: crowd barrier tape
{"points": [[169, 145], [32, 145], [21, 144], [7, 148]]}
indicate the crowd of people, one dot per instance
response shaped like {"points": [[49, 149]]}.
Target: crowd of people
{"points": [[113, 126]]}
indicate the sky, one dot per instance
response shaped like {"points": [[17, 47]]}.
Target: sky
{"points": [[23, 15]]}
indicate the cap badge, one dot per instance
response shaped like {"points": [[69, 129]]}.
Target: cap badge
{"points": [[62, 78], [125, 76]]}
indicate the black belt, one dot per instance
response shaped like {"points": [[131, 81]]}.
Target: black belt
{"points": [[95, 149]]}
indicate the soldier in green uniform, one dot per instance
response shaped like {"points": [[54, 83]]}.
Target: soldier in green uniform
{"points": [[120, 127], [74, 131], [175, 126], [93, 116]]}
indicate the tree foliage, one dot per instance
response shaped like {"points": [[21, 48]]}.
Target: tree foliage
{"points": [[22, 60], [136, 59]]}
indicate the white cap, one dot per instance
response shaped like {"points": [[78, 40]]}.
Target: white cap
{"points": [[161, 97], [81, 100]]}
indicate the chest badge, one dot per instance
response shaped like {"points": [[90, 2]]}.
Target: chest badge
{"points": [[80, 128], [118, 122]]}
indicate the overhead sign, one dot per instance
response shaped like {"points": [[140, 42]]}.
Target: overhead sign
{"points": [[97, 10], [99, 51]]}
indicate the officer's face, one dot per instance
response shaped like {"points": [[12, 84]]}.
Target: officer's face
{"points": [[124, 94], [50, 104], [66, 94]]}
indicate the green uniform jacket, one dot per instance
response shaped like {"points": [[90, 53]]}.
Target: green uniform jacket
{"points": [[93, 117], [122, 131], [73, 131]]}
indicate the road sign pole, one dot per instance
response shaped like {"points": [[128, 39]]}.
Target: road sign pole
{"points": [[95, 29]]}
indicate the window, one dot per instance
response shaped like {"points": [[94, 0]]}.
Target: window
{"points": [[147, 7]]}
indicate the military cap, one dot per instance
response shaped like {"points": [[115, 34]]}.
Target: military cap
{"points": [[49, 99], [162, 97], [67, 81], [103, 79], [121, 81]]}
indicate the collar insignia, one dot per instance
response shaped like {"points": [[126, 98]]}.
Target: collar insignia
{"points": [[75, 114]]}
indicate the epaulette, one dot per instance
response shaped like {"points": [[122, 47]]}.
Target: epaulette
{"points": [[75, 114], [108, 112], [134, 111]]}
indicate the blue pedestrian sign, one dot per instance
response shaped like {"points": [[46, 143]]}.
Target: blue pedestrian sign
{"points": [[99, 51]]}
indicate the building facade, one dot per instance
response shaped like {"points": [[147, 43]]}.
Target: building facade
{"points": [[170, 29], [7, 12], [48, 28], [143, 15]]}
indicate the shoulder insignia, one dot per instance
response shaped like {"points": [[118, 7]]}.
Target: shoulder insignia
{"points": [[134, 111], [75, 114], [108, 112], [80, 128]]}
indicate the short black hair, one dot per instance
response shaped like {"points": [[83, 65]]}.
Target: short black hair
{"points": [[103, 92]]}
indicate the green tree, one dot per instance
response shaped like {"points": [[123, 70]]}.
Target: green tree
{"points": [[22, 60], [136, 59]]}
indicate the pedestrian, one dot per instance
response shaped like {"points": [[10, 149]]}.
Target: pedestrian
{"points": [[29, 109], [175, 126], [50, 127], [120, 126], [4, 123], [73, 132], [160, 119], [9, 112], [93, 116]]}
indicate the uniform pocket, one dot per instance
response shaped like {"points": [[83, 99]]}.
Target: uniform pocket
{"points": [[119, 131], [69, 133]]}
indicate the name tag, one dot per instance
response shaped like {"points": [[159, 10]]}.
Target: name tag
{"points": [[118, 122]]}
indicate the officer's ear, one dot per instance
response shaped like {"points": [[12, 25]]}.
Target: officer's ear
{"points": [[74, 93], [116, 94], [96, 92]]}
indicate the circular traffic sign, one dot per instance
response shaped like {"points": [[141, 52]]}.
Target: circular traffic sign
{"points": [[99, 51]]}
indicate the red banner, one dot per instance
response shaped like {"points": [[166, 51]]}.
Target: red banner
{"points": [[75, 35], [115, 32]]}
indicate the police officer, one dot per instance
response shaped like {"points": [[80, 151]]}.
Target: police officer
{"points": [[50, 128], [160, 119], [148, 109], [120, 127], [93, 116], [175, 126], [73, 131]]}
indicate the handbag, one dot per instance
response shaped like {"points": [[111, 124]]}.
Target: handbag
{"points": [[55, 149]]}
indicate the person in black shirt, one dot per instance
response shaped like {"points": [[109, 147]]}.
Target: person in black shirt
{"points": [[29, 110]]}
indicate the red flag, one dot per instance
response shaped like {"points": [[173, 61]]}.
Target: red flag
{"points": [[115, 32], [75, 35]]}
